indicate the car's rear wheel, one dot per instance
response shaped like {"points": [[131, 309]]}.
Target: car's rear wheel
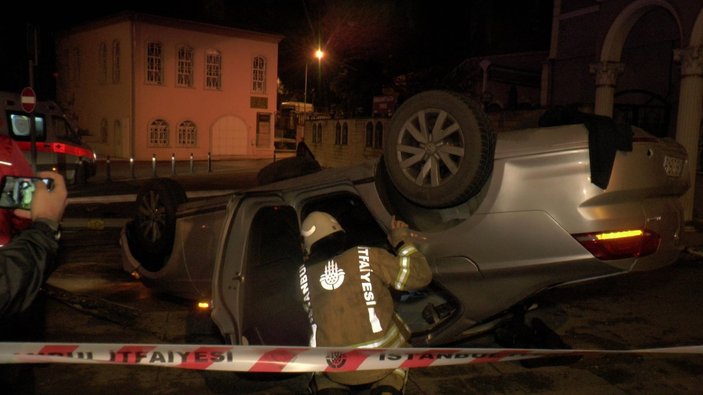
{"points": [[155, 223], [439, 151]]}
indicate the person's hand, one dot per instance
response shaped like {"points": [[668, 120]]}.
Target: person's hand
{"points": [[398, 231], [47, 204], [397, 224]]}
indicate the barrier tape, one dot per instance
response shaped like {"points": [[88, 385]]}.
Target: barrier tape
{"points": [[273, 359]]}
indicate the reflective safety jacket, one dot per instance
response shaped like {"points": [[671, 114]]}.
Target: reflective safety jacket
{"points": [[348, 298]]}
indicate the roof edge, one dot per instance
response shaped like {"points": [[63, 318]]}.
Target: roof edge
{"points": [[139, 17]]}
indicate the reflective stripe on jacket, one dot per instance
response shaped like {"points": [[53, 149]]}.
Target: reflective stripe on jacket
{"points": [[349, 299]]}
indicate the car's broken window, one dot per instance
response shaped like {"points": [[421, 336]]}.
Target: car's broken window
{"points": [[360, 226]]}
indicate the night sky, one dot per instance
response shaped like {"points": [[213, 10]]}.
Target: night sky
{"points": [[395, 36]]}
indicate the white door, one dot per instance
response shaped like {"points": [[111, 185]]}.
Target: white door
{"points": [[229, 137]]}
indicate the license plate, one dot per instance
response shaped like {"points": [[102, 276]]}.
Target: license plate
{"points": [[673, 166]]}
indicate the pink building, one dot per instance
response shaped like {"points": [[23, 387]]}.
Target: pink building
{"points": [[145, 85]]}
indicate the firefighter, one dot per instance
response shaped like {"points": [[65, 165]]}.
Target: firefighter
{"points": [[346, 294]]}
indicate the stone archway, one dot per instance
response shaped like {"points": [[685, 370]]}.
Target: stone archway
{"points": [[229, 137], [690, 101], [690, 116], [609, 67]]}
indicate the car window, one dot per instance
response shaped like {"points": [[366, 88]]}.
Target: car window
{"points": [[61, 128], [20, 126], [349, 210], [272, 312]]}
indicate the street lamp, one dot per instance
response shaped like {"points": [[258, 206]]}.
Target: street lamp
{"points": [[319, 54]]}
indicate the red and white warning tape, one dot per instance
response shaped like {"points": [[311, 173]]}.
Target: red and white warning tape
{"points": [[284, 359]]}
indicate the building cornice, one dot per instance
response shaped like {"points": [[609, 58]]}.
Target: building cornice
{"points": [[183, 24]]}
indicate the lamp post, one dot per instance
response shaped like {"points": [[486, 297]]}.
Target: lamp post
{"points": [[319, 54], [305, 95]]}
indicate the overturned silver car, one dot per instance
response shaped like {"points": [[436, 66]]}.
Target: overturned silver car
{"points": [[500, 218]]}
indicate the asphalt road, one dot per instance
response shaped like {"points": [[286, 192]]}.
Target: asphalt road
{"points": [[90, 299]]}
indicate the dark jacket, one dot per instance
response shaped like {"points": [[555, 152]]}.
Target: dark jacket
{"points": [[25, 265]]}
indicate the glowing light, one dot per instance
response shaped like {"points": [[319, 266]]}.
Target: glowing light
{"points": [[203, 305], [319, 54], [620, 244], [619, 235]]}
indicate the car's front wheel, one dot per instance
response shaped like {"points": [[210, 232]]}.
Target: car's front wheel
{"points": [[154, 226], [439, 151]]}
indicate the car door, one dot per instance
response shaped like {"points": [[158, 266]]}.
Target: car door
{"points": [[256, 289], [256, 274]]}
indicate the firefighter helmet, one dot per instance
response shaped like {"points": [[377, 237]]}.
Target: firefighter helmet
{"points": [[318, 225]]}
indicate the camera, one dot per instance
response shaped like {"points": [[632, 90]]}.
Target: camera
{"points": [[16, 192]]}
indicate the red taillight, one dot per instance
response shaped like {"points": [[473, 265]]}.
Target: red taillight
{"points": [[620, 244]]}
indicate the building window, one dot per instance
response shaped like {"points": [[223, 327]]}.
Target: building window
{"points": [[184, 67], [154, 63], [76, 66], [64, 67], [187, 133], [369, 135], [378, 135], [158, 133], [213, 67], [259, 75], [102, 63], [115, 62], [316, 133], [103, 130], [338, 134], [345, 134], [117, 133]]}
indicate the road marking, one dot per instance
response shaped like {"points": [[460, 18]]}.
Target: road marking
{"points": [[93, 223]]}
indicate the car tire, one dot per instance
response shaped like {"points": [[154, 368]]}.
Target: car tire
{"points": [[439, 171], [154, 226], [284, 169]]}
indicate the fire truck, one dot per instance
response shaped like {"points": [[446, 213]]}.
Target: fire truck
{"points": [[58, 144]]}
